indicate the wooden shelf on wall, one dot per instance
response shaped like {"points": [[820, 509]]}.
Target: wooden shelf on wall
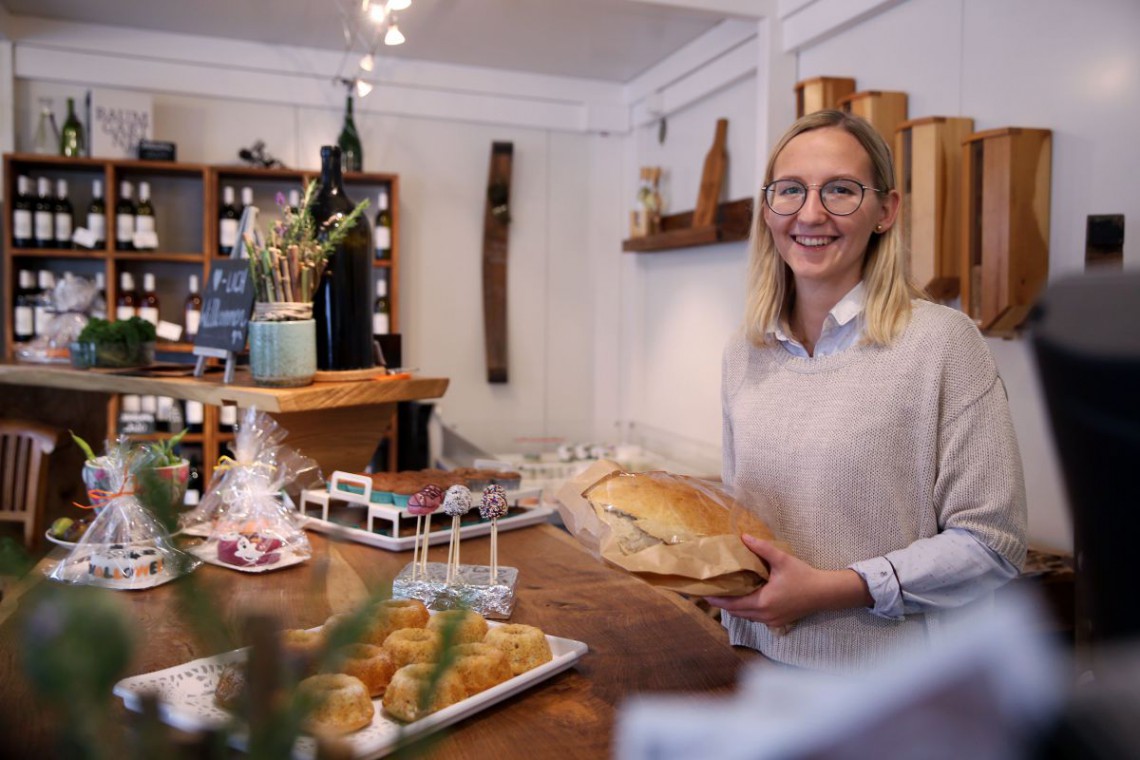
{"points": [[733, 223]]}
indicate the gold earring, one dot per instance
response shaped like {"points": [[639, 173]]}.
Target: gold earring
{"points": [[878, 228]]}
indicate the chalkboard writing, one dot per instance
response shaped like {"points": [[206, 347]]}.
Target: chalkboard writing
{"points": [[227, 301]]}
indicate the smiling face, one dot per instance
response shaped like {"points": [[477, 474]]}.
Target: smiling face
{"points": [[825, 252]]}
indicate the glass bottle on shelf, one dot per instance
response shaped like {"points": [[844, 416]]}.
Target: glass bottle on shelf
{"points": [[246, 200], [148, 303], [382, 233], [97, 214], [295, 200], [124, 219], [62, 211], [352, 155], [44, 308], [227, 222], [195, 415], [126, 304], [193, 310], [342, 304], [99, 305], [227, 418], [382, 311], [44, 216], [47, 133], [24, 311], [144, 219], [72, 141], [23, 209]]}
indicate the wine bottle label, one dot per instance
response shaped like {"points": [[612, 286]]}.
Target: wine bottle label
{"points": [[63, 227], [45, 225], [149, 313], [124, 226], [227, 415], [124, 312], [97, 224], [24, 322], [382, 239], [227, 233], [42, 315], [22, 224], [193, 319], [195, 413], [144, 224], [380, 324]]}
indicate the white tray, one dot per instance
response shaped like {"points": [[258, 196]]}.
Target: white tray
{"points": [[531, 516], [186, 700]]}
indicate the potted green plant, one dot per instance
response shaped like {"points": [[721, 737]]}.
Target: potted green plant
{"points": [[122, 343], [171, 473], [286, 269]]}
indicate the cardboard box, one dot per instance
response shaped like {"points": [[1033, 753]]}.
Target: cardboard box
{"points": [[117, 120]]}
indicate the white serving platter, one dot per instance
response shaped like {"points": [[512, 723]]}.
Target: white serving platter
{"points": [[186, 700]]}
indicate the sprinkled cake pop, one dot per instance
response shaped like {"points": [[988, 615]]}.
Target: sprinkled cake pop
{"points": [[421, 504], [492, 507], [456, 502]]}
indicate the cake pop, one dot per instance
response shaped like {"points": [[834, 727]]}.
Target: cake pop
{"points": [[456, 502], [421, 504], [492, 507]]}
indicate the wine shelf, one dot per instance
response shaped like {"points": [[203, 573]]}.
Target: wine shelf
{"points": [[733, 223]]}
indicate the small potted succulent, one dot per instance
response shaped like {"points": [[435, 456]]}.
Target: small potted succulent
{"points": [[171, 472]]}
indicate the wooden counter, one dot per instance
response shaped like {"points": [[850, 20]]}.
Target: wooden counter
{"points": [[640, 640]]}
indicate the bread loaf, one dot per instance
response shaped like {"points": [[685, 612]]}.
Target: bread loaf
{"points": [[650, 508]]}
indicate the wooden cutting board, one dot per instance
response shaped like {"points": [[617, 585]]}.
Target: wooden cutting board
{"points": [[496, 221], [712, 178]]}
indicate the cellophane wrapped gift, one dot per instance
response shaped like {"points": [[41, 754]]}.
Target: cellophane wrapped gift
{"points": [[126, 546], [70, 303], [250, 522]]}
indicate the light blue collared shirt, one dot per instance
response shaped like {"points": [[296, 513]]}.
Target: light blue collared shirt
{"points": [[940, 572]]}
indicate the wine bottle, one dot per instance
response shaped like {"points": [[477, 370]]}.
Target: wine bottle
{"points": [[382, 310], [295, 201], [148, 304], [246, 200], [24, 312], [62, 211], [99, 305], [124, 219], [193, 310], [144, 219], [72, 141], [126, 304], [44, 215], [194, 483], [382, 234], [23, 209], [227, 222], [47, 134], [195, 415], [352, 155], [342, 304], [227, 418], [97, 214], [44, 307]]}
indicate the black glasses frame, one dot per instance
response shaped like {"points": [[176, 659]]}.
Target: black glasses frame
{"points": [[770, 188]]}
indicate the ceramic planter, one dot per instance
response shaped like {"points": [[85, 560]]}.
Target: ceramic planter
{"points": [[283, 354]]}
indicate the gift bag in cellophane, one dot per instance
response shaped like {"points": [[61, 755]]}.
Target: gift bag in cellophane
{"points": [[126, 546]]}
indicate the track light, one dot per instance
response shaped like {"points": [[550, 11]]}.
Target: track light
{"points": [[399, 5], [393, 36], [368, 62], [362, 88]]}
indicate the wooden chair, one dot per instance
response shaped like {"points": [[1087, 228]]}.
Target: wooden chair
{"points": [[24, 450]]}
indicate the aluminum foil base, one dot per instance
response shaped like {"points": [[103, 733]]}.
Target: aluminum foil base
{"points": [[471, 590]]}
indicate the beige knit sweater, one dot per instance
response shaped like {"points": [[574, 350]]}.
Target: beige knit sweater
{"points": [[857, 454]]}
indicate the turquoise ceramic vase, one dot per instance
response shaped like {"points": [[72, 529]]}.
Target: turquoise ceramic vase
{"points": [[283, 354]]}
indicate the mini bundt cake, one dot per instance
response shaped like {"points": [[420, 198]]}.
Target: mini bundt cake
{"points": [[525, 646], [406, 698]]}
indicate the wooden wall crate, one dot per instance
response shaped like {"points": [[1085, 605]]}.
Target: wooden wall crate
{"points": [[928, 162], [821, 93], [1006, 176], [885, 110]]}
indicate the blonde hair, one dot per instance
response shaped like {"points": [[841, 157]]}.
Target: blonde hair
{"points": [[771, 288]]}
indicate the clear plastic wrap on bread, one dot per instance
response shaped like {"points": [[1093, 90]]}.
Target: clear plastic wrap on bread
{"points": [[673, 531]]}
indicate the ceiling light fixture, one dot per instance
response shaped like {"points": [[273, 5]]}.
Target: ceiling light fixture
{"points": [[368, 62], [393, 36], [377, 13], [362, 88], [399, 5]]}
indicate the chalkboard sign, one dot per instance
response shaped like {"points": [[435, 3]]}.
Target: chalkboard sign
{"points": [[227, 301]]}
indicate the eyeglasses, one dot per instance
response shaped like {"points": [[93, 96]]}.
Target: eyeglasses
{"points": [[841, 197]]}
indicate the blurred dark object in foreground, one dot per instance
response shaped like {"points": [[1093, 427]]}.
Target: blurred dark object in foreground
{"points": [[1086, 336]]}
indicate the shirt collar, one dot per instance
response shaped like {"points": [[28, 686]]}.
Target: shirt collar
{"points": [[848, 308]]}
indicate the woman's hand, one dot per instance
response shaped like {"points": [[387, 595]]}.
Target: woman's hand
{"points": [[794, 589]]}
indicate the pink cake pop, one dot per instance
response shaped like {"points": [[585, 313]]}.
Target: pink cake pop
{"points": [[421, 504], [492, 507], [456, 502]]}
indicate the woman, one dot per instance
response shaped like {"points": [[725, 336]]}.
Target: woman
{"points": [[867, 425]]}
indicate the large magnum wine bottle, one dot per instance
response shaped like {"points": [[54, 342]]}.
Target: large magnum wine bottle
{"points": [[342, 305]]}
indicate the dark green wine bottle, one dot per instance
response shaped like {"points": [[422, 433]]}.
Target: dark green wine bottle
{"points": [[352, 155], [72, 141], [342, 305]]}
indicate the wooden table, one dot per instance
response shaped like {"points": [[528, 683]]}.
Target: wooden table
{"points": [[640, 639]]}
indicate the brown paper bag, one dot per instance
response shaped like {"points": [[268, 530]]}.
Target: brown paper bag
{"points": [[717, 565]]}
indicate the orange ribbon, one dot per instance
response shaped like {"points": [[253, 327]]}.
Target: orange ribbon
{"points": [[99, 497]]}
